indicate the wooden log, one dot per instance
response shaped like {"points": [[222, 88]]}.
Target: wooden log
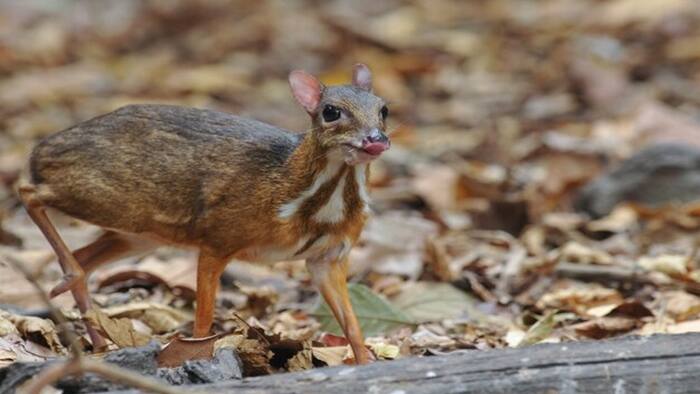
{"points": [[656, 364]]}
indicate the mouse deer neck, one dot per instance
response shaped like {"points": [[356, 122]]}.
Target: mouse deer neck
{"points": [[311, 156], [326, 190]]}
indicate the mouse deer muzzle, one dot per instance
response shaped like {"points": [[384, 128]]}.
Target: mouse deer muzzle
{"points": [[376, 142], [367, 147]]}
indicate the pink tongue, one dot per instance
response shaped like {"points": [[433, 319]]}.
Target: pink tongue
{"points": [[375, 148]]}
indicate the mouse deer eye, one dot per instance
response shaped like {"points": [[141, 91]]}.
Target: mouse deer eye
{"points": [[384, 112], [331, 113]]}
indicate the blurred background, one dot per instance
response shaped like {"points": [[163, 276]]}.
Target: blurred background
{"points": [[544, 151]]}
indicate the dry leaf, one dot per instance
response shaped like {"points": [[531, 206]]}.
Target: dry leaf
{"points": [[7, 327], [395, 243], [301, 361], [437, 185], [631, 308], [254, 354], [159, 318], [35, 328], [575, 252], [605, 327], [540, 330], [514, 337], [667, 264], [179, 274], [259, 300], [179, 350], [13, 348], [331, 340], [385, 351], [681, 305], [332, 356], [684, 327], [120, 331], [15, 289], [579, 297], [601, 310]]}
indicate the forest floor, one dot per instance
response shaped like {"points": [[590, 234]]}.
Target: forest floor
{"points": [[487, 232]]}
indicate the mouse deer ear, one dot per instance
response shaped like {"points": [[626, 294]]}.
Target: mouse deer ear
{"points": [[362, 77], [306, 89]]}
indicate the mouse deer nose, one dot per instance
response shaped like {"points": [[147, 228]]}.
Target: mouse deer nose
{"points": [[376, 142], [376, 135]]}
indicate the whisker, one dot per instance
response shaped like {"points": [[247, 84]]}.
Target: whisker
{"points": [[393, 129]]}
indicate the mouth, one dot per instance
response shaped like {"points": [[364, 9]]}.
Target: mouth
{"points": [[364, 153]]}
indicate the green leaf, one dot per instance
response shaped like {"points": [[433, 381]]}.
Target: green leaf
{"points": [[540, 330], [375, 314], [431, 301]]}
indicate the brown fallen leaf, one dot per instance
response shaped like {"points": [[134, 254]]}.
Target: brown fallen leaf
{"points": [[622, 218], [6, 326], [42, 331], [259, 300], [681, 305], [178, 274], [394, 243], [159, 318], [605, 327], [575, 252], [179, 350], [672, 265], [121, 331], [631, 308], [384, 351], [331, 340], [15, 289], [684, 327], [437, 185], [333, 355], [13, 348], [254, 353], [578, 297], [628, 308], [300, 361]]}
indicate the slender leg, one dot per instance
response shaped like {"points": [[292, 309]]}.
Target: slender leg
{"points": [[74, 275], [330, 275], [209, 270], [110, 246]]}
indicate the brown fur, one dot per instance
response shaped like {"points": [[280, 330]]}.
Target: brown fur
{"points": [[189, 177]]}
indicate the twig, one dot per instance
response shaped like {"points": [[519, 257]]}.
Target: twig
{"points": [[255, 330], [70, 337], [613, 273], [78, 364], [106, 370]]}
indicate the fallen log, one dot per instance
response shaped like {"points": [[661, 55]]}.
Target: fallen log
{"points": [[656, 364]]}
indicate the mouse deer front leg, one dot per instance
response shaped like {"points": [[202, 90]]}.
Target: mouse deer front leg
{"points": [[209, 270], [329, 274]]}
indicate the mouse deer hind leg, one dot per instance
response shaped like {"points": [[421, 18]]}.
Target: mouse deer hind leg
{"points": [[73, 273], [110, 246]]}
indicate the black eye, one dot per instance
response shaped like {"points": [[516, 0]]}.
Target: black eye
{"points": [[384, 112], [331, 113]]}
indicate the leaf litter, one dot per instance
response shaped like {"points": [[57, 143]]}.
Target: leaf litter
{"points": [[505, 212]]}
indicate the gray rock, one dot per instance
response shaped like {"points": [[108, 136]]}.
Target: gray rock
{"points": [[225, 365], [658, 175]]}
